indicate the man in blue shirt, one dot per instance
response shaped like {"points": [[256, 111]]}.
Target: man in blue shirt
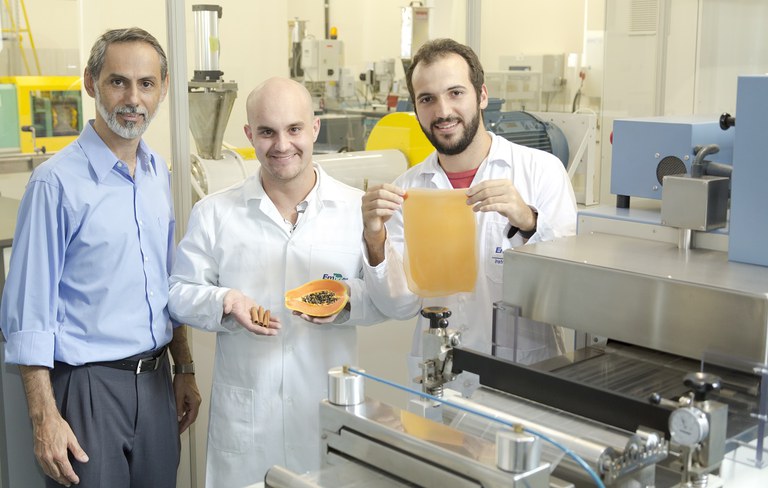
{"points": [[84, 309]]}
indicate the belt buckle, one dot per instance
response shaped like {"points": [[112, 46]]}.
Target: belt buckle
{"points": [[152, 363], [146, 365], [138, 366]]}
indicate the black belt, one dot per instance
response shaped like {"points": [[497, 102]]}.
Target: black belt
{"points": [[138, 366]]}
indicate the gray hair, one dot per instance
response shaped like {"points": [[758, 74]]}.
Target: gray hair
{"points": [[131, 34]]}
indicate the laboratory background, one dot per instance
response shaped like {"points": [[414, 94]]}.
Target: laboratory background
{"points": [[664, 294]]}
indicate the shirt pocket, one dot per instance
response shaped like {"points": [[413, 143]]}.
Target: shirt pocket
{"points": [[334, 262], [232, 413], [492, 251]]}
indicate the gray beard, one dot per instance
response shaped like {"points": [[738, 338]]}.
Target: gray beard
{"points": [[131, 130]]}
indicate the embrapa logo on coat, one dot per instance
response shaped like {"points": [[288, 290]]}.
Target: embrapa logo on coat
{"points": [[334, 276]]}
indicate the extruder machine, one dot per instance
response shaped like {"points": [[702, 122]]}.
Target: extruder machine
{"points": [[667, 384]]}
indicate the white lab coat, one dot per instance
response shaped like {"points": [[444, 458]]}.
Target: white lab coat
{"points": [[543, 183], [266, 390]]}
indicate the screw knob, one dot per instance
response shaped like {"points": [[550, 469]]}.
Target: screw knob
{"points": [[438, 316], [727, 121], [701, 384]]}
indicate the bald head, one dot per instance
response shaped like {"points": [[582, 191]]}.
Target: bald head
{"points": [[282, 129], [274, 94]]}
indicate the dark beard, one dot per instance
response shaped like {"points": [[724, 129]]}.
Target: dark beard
{"points": [[459, 146]]}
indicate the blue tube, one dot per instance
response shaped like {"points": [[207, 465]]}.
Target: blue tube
{"points": [[565, 449]]}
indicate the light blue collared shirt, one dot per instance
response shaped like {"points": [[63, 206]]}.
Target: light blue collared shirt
{"points": [[88, 278]]}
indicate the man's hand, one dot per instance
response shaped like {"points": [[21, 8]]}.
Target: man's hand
{"points": [[239, 306], [53, 437], [501, 196], [317, 320], [379, 204], [188, 399]]}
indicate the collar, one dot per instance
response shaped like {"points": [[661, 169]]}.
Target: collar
{"points": [[103, 160], [322, 192], [431, 167]]}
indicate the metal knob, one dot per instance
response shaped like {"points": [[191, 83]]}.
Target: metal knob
{"points": [[345, 388], [438, 316], [727, 121], [517, 451], [701, 384]]}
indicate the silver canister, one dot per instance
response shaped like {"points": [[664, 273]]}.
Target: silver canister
{"points": [[344, 387], [207, 37], [517, 451]]}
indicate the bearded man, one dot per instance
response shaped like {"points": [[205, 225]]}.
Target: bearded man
{"points": [[519, 195]]}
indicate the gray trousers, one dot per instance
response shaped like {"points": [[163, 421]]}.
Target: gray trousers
{"points": [[125, 422]]}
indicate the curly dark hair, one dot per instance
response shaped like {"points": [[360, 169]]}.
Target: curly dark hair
{"points": [[439, 48]]}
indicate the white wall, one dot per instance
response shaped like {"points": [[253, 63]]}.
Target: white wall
{"points": [[525, 27], [57, 48], [742, 49]]}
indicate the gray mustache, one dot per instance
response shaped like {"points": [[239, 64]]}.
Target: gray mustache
{"points": [[131, 110]]}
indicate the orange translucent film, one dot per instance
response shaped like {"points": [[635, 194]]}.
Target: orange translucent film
{"points": [[440, 255]]}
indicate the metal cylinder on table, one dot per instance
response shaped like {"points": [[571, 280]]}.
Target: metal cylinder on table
{"points": [[345, 388]]}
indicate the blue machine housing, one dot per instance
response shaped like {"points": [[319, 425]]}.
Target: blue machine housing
{"points": [[647, 149], [749, 199]]}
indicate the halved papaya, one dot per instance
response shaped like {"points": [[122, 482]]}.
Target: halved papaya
{"points": [[318, 298]]}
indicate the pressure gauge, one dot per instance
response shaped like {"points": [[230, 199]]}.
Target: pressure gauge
{"points": [[688, 426]]}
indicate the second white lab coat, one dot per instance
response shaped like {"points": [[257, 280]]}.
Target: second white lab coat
{"points": [[266, 390], [543, 183]]}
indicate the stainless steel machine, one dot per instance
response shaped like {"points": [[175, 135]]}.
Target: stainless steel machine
{"points": [[667, 385], [210, 104]]}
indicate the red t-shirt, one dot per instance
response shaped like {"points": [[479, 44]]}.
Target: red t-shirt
{"points": [[462, 179]]}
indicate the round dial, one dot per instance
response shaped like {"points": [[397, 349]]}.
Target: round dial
{"points": [[688, 426]]}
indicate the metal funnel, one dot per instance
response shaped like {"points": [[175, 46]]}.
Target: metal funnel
{"points": [[210, 98], [210, 104]]}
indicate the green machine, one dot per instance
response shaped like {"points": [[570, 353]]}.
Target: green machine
{"points": [[9, 117]]}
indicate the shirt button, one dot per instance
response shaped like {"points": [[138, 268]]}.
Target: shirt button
{"points": [[288, 349], [151, 293], [146, 259], [119, 164], [289, 401]]}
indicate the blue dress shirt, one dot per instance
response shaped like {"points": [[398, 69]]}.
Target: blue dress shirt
{"points": [[88, 277]]}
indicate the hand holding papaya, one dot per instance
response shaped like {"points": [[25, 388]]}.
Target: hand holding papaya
{"points": [[318, 301]]}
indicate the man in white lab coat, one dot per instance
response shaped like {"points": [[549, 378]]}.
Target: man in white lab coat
{"points": [[520, 195], [288, 224]]}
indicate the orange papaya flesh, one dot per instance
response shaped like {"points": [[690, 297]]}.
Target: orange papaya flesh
{"points": [[318, 298]]}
